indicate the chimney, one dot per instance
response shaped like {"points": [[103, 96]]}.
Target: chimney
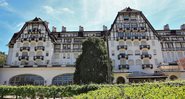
{"points": [[166, 27], [54, 29], [183, 27], [104, 28], [81, 28], [63, 29]]}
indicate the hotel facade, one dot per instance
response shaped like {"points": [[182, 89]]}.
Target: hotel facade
{"points": [[42, 57]]}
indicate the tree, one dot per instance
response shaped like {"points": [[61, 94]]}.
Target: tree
{"points": [[2, 58], [93, 65]]}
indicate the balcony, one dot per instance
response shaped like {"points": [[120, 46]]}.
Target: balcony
{"points": [[37, 39], [146, 56], [24, 39], [122, 47], [23, 58], [35, 30], [125, 66], [38, 57], [39, 48], [147, 66], [144, 46], [24, 48], [122, 55], [41, 39], [144, 37]]}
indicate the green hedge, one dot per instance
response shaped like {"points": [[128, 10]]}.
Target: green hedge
{"points": [[163, 90], [175, 89], [45, 91]]}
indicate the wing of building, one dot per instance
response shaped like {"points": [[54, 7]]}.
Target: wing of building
{"points": [[42, 57]]}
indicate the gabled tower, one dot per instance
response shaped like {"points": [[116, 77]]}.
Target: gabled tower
{"points": [[133, 43], [32, 45]]}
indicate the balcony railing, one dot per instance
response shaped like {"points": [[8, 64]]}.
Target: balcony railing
{"points": [[23, 58], [24, 48], [146, 56], [39, 48], [37, 39], [144, 46], [125, 66], [133, 38], [38, 57], [174, 49], [147, 66], [36, 30], [122, 47], [122, 55]]}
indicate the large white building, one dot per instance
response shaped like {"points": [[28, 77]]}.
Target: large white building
{"points": [[43, 57]]}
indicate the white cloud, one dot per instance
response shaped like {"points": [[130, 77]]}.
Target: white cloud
{"points": [[3, 3], [51, 10]]}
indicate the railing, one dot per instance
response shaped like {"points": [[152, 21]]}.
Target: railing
{"points": [[125, 66], [144, 46], [132, 38], [146, 56], [24, 48], [39, 48], [120, 56], [174, 49], [122, 47], [147, 66], [38, 57], [23, 58]]}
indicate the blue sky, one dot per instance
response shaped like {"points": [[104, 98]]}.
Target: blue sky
{"points": [[91, 14]]}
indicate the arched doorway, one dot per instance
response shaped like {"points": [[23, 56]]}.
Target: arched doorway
{"points": [[173, 77], [63, 79], [26, 79], [120, 80]]}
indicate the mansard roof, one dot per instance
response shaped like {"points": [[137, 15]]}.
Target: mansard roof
{"points": [[130, 10], [35, 20]]}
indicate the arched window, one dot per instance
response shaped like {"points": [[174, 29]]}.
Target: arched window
{"points": [[137, 52], [138, 62], [39, 53], [121, 43], [26, 79], [24, 53], [136, 43], [130, 52], [143, 43], [129, 43], [63, 79], [131, 62], [25, 44], [40, 44], [146, 61]]}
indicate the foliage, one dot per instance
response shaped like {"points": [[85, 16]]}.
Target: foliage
{"points": [[158, 90], [45, 91], [93, 65], [167, 90], [2, 58]]}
